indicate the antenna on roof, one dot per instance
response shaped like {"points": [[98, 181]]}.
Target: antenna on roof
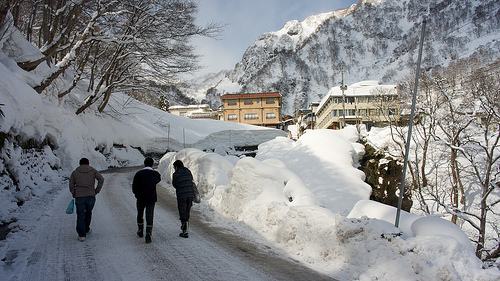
{"points": [[343, 88]]}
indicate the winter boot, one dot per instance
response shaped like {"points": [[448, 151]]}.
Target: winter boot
{"points": [[140, 232], [149, 230], [184, 228]]}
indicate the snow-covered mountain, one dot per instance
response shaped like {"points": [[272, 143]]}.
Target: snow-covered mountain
{"points": [[373, 40]]}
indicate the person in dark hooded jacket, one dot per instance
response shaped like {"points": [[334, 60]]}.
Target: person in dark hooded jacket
{"points": [[144, 189], [182, 180], [82, 186]]}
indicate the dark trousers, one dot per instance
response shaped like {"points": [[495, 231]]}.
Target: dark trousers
{"points": [[150, 208], [184, 206], [84, 206]]}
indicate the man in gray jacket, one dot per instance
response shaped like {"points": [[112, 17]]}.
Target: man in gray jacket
{"points": [[82, 186]]}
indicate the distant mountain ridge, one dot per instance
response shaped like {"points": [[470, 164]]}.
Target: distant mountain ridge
{"points": [[373, 40]]}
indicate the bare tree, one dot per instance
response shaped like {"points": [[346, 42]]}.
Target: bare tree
{"points": [[467, 124], [482, 151], [455, 115], [455, 150], [424, 126]]}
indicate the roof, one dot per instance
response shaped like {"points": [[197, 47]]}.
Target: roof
{"points": [[250, 95], [305, 111], [193, 106]]}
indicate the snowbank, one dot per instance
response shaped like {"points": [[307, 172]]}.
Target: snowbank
{"points": [[411, 225], [272, 201]]}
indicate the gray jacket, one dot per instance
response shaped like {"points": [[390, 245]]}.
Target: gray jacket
{"points": [[82, 181]]}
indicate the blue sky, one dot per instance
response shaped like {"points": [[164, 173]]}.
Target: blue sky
{"points": [[246, 20]]}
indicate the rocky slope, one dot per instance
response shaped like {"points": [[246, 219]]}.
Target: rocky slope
{"points": [[372, 40]]}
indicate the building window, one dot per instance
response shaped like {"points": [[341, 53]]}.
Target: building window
{"points": [[373, 112], [183, 113], [231, 102], [232, 117], [271, 115], [248, 101], [350, 100], [352, 112], [251, 116], [334, 113], [269, 100]]}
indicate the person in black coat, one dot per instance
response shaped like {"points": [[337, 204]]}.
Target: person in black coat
{"points": [[182, 180], [144, 189]]}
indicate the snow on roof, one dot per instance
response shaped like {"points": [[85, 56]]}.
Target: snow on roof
{"points": [[193, 106]]}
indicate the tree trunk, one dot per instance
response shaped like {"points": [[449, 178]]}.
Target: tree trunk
{"points": [[4, 9], [46, 21], [482, 226], [70, 57], [47, 81], [51, 47], [105, 101], [454, 186]]}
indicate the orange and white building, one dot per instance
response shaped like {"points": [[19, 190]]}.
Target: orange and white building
{"points": [[262, 109]]}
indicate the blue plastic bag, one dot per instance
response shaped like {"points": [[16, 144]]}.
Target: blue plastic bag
{"points": [[71, 207]]}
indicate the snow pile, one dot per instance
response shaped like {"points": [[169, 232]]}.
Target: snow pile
{"points": [[278, 202], [410, 224], [326, 160]]}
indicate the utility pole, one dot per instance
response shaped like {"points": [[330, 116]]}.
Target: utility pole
{"points": [[356, 112], [410, 126], [168, 137], [343, 88]]}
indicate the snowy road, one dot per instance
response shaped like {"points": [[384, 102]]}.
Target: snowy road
{"points": [[114, 252]]}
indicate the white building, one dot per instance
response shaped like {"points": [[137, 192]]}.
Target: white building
{"points": [[364, 102], [198, 111]]}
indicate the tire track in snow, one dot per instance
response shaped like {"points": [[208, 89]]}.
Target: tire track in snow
{"points": [[114, 252]]}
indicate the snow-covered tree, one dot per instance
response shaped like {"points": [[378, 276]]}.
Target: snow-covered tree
{"points": [[115, 45]]}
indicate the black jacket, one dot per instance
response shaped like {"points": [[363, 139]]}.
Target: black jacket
{"points": [[182, 180], [144, 185]]}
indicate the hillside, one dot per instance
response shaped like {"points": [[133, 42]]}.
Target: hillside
{"points": [[373, 40], [42, 138]]}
